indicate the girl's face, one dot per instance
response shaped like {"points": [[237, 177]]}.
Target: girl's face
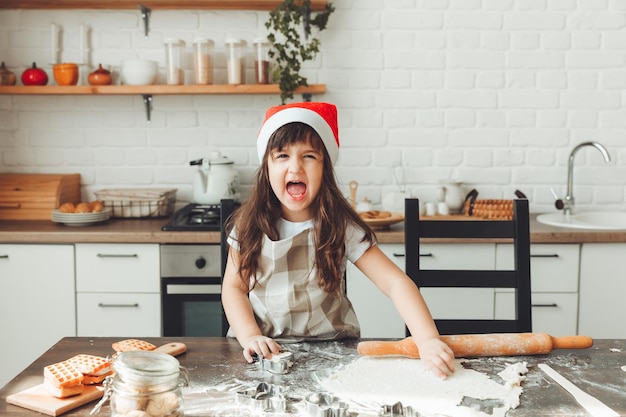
{"points": [[295, 174]]}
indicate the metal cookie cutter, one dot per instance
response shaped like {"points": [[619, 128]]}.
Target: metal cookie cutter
{"points": [[325, 405], [266, 397], [397, 410], [278, 364]]}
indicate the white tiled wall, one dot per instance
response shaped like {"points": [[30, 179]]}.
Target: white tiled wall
{"points": [[494, 93]]}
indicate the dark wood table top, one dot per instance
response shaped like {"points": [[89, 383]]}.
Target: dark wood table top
{"points": [[217, 363]]}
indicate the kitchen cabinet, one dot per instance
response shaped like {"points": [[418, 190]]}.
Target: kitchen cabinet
{"points": [[37, 306], [554, 270], [602, 288], [118, 290], [378, 316]]}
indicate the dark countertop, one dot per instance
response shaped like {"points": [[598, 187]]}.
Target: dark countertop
{"points": [[149, 231], [216, 363]]}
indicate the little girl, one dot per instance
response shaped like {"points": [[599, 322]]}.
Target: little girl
{"points": [[289, 243]]}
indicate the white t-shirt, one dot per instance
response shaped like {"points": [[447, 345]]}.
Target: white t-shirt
{"points": [[354, 247]]}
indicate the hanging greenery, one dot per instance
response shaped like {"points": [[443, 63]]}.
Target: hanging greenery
{"points": [[286, 24]]}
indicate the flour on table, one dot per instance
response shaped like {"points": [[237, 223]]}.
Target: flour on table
{"points": [[374, 381]]}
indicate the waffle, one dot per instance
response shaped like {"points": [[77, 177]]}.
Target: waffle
{"points": [[132, 344], [62, 375], [90, 365]]}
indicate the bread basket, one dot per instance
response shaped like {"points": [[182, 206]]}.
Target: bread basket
{"points": [[138, 202]]}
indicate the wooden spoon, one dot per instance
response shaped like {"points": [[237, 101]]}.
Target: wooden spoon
{"points": [[353, 186]]}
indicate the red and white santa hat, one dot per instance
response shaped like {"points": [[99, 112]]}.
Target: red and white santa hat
{"points": [[320, 116]]}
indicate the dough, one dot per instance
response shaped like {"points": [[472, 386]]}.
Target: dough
{"points": [[371, 382]]}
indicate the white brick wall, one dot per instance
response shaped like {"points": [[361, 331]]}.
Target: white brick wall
{"points": [[495, 93]]}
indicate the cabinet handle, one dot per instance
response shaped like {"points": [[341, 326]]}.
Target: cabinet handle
{"points": [[117, 255], [544, 255], [102, 305], [426, 255], [545, 305], [4, 256], [398, 255]]}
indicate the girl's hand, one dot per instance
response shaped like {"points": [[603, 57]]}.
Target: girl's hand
{"points": [[437, 357], [260, 345]]}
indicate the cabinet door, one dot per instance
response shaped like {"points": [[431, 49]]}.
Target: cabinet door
{"points": [[554, 285], [117, 268], [37, 306], [119, 314], [377, 315], [602, 287]]}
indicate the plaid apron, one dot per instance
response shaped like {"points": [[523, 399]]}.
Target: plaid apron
{"points": [[288, 302]]}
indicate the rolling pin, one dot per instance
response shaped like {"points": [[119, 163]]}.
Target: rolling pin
{"points": [[468, 345]]}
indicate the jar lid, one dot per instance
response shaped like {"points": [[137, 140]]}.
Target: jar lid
{"points": [[203, 40], [261, 41], [235, 41], [139, 365]]}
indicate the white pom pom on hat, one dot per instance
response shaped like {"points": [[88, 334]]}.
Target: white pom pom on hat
{"points": [[320, 116]]}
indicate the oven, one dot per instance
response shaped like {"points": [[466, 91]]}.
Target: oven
{"points": [[191, 290], [191, 274]]}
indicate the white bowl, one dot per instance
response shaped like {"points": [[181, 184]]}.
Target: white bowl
{"points": [[139, 72]]}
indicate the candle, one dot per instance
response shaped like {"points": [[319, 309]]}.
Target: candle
{"points": [[54, 43]]}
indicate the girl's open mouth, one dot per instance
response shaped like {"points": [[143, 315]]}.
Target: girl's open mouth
{"points": [[296, 189]]}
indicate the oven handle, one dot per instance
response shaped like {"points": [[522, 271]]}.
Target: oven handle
{"points": [[193, 289]]}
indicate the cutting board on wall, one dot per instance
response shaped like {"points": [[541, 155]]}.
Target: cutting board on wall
{"points": [[38, 399]]}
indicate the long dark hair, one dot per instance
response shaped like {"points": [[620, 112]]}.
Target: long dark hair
{"points": [[330, 211]]}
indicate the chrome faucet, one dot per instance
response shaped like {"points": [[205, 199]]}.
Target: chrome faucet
{"points": [[567, 204]]}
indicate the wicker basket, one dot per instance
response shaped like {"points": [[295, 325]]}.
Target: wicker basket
{"points": [[138, 202]]}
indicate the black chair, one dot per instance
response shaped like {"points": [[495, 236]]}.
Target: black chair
{"points": [[516, 230]]}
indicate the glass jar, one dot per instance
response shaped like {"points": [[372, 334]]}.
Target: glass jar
{"points": [[173, 68], [145, 382], [235, 63], [261, 61], [202, 61]]}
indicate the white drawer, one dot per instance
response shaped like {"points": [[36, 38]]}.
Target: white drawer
{"points": [[118, 315], [457, 256], [553, 313], [117, 268], [553, 267]]}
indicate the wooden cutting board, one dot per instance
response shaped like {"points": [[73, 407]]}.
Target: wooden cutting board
{"points": [[38, 399]]}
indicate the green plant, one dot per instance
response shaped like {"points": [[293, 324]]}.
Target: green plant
{"points": [[286, 25]]}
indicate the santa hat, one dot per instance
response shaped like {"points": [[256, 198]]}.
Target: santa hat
{"points": [[320, 116]]}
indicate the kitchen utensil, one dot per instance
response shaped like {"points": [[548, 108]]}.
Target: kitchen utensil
{"points": [[80, 219], [265, 397], [353, 187], [494, 344], [65, 74], [100, 76], [173, 348], [139, 72], [323, 404], [594, 406], [277, 364], [216, 179]]}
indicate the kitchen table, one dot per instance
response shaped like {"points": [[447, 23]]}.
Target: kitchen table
{"points": [[218, 362]]}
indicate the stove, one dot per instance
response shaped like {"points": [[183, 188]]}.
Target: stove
{"points": [[198, 217]]}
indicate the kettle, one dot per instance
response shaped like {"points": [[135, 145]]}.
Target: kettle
{"points": [[216, 179]]}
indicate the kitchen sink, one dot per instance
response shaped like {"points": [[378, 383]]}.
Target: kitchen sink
{"points": [[598, 220]]}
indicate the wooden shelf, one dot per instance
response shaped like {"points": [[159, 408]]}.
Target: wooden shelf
{"points": [[156, 89], [151, 4]]}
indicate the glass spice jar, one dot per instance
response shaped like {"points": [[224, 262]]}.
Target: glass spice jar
{"points": [[203, 65], [261, 61], [145, 383], [235, 62]]}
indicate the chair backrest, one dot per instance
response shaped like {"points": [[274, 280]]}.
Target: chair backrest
{"points": [[517, 231]]}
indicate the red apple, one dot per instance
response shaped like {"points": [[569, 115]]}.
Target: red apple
{"points": [[34, 76]]}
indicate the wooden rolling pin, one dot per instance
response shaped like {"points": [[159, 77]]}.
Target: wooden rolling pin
{"points": [[468, 345]]}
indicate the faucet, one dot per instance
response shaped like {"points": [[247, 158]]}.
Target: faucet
{"points": [[567, 204]]}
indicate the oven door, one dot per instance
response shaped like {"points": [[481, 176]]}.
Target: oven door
{"points": [[192, 307]]}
